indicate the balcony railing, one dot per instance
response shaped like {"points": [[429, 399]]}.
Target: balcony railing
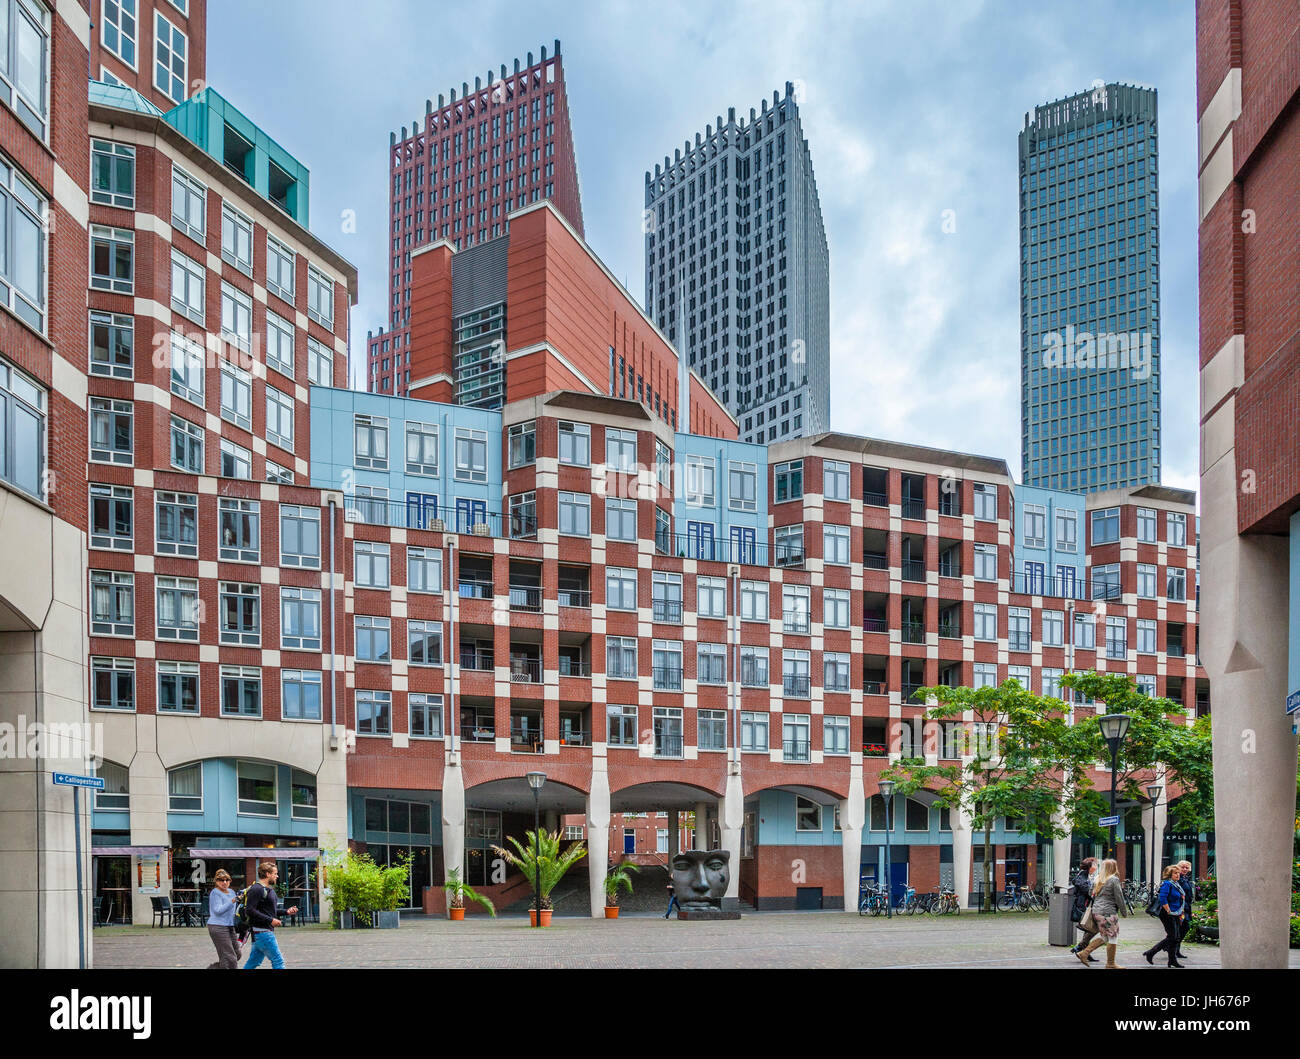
{"points": [[1175, 650], [667, 611], [795, 684], [788, 553], [751, 676], [913, 632], [874, 624], [525, 739], [949, 631], [667, 678], [875, 750], [949, 569], [797, 621], [526, 598], [575, 597], [719, 550], [421, 514], [874, 561], [574, 667], [477, 661], [524, 670], [668, 745], [873, 687], [949, 505], [913, 569], [1064, 587], [575, 737], [908, 690], [796, 750], [875, 499], [478, 733], [471, 588], [913, 508]]}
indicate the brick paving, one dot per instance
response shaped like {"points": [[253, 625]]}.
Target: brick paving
{"points": [[760, 940]]}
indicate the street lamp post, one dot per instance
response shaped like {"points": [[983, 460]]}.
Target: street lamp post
{"points": [[1153, 791], [887, 792], [535, 781], [1114, 727]]}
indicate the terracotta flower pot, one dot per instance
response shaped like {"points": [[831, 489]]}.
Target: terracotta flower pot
{"points": [[611, 911], [546, 917], [456, 914]]}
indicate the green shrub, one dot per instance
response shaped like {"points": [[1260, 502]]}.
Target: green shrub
{"points": [[360, 886]]}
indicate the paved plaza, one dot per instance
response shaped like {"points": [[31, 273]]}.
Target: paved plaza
{"points": [[768, 940]]}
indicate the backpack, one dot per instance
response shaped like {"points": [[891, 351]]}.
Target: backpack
{"points": [[243, 925]]}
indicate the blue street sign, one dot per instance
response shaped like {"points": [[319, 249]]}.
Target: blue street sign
{"points": [[1293, 702], [67, 779], [1109, 821]]}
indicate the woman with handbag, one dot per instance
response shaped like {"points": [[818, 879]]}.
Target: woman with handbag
{"points": [[1107, 906], [1172, 902], [1081, 893]]}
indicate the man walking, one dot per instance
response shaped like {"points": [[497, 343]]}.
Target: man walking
{"points": [[672, 900], [1188, 886], [261, 905]]}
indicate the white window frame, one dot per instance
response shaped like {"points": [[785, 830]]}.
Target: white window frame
{"points": [[112, 238], [112, 323], [620, 519], [428, 560], [373, 429], [302, 599], [236, 635], [320, 296], [576, 438], [372, 564], [836, 473], [236, 316], [191, 298], [424, 461], [279, 334], [277, 257], [574, 502], [469, 443], [110, 8], [109, 539], [240, 458], [701, 481], [242, 675], [111, 152], [237, 251], [620, 442], [279, 415], [244, 513], [300, 560], [193, 196], [185, 589]]}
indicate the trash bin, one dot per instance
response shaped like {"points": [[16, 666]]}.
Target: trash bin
{"points": [[1060, 931]]}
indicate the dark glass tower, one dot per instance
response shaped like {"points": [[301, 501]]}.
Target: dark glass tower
{"points": [[1090, 291]]}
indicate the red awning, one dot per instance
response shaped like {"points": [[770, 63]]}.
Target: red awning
{"points": [[279, 853]]}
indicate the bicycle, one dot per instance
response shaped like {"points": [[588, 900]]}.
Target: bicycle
{"points": [[907, 902], [945, 903], [871, 901]]}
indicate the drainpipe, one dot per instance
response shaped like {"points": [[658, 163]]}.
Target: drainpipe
{"points": [[452, 647], [333, 712], [733, 662]]}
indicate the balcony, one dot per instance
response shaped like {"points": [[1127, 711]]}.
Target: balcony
{"points": [[796, 621], [472, 588], [875, 750], [795, 685], [949, 569], [523, 525], [873, 687], [667, 611], [574, 667], [668, 745], [913, 632], [950, 630], [1175, 650], [719, 550], [913, 569], [575, 597], [667, 678], [796, 750], [913, 508], [949, 503], [909, 690], [526, 599], [874, 624], [476, 661], [875, 499], [421, 514], [526, 733], [481, 732], [874, 561], [525, 669]]}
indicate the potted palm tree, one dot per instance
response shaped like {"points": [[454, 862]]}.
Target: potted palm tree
{"points": [[544, 865], [458, 892], [617, 878]]}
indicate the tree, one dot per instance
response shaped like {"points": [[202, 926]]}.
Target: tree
{"points": [[554, 864], [1017, 762]]}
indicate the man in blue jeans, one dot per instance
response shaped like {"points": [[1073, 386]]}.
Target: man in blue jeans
{"points": [[261, 907]]}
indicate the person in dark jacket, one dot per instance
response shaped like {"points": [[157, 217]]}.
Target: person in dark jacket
{"points": [[262, 906], [1173, 906], [1081, 893], [1188, 885]]}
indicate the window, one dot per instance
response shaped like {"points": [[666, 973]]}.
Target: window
{"points": [[111, 517], [188, 285], [1146, 684], [807, 814], [1146, 525], [620, 657], [471, 455], [112, 340], [176, 523], [118, 30], [1176, 584], [666, 597], [241, 692], [320, 297], [178, 687], [1176, 529], [1053, 628], [1085, 631], [1035, 526], [711, 731], [835, 608], [422, 449], [25, 60], [300, 619], [22, 257], [986, 621], [986, 675], [986, 562], [523, 514], [835, 480], [986, 502], [1116, 638], [1105, 525], [620, 449], [236, 239], [320, 363], [575, 443], [575, 514], [279, 418], [620, 519], [189, 205], [425, 716], [186, 445], [1146, 581], [178, 608], [236, 462], [370, 435], [522, 442], [184, 785], [835, 671], [277, 475], [112, 259], [711, 597], [279, 269], [112, 603], [1018, 632], [1105, 582], [373, 639], [620, 589], [239, 528], [700, 482], [663, 531], [237, 395], [787, 545], [835, 545], [112, 684], [622, 725], [171, 50], [1067, 531], [187, 359], [299, 536], [236, 316], [300, 695], [753, 731], [753, 601], [302, 794], [112, 173], [111, 433], [1146, 636], [711, 663], [240, 608], [835, 735], [753, 667], [371, 564], [424, 642], [423, 570], [1020, 674], [788, 478]]}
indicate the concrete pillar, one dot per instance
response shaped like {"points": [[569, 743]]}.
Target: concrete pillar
{"points": [[852, 817], [453, 814], [551, 820], [598, 834], [332, 809], [149, 799], [961, 842], [701, 825], [1155, 839], [731, 821], [674, 836], [1061, 853], [1244, 649]]}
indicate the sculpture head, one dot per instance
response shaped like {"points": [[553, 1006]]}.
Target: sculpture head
{"points": [[700, 877]]}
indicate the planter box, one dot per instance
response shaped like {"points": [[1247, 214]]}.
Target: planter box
{"points": [[546, 917], [350, 921], [387, 920]]}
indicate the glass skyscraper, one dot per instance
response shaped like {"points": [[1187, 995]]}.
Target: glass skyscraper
{"points": [[1090, 291]]}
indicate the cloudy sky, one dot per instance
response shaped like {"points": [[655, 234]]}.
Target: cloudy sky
{"points": [[911, 108]]}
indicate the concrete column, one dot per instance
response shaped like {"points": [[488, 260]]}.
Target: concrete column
{"points": [[332, 809], [1061, 853], [852, 818], [961, 841], [551, 820], [674, 836], [453, 814], [1155, 838], [1245, 583], [701, 825], [149, 799], [731, 820], [598, 834]]}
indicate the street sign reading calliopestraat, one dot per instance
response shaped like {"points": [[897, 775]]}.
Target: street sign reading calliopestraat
{"points": [[69, 779], [1293, 702], [1108, 821]]}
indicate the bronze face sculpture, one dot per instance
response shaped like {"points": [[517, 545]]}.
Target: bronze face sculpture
{"points": [[700, 878]]}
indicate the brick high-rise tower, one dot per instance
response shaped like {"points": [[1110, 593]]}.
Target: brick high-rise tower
{"points": [[479, 155]]}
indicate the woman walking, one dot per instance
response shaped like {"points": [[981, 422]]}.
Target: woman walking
{"points": [[1172, 902], [1081, 893], [1107, 906], [221, 923]]}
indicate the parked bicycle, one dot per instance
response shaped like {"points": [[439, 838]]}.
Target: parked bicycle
{"points": [[945, 903], [871, 901], [907, 902], [1023, 900]]}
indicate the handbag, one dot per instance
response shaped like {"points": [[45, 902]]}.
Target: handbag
{"points": [[1087, 922]]}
